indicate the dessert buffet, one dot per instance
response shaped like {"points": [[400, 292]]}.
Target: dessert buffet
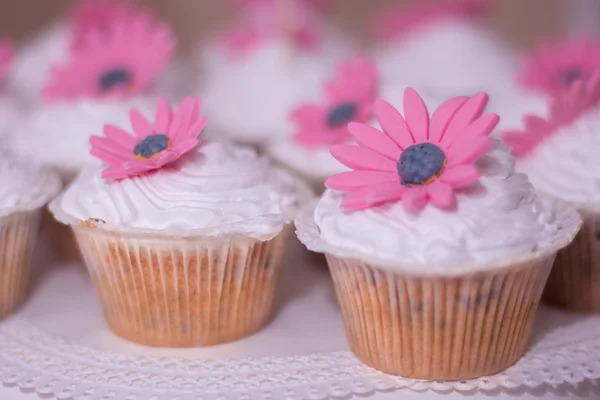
{"points": [[306, 217]]}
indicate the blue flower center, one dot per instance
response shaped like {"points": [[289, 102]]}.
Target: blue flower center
{"points": [[151, 146], [571, 75], [341, 114], [421, 164], [113, 78]]}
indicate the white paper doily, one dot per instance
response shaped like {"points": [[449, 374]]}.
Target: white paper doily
{"points": [[59, 347]]}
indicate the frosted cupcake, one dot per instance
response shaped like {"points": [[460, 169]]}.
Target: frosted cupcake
{"points": [[559, 153], [434, 242], [442, 46], [51, 45], [24, 190], [184, 241], [106, 74], [279, 52], [348, 96]]}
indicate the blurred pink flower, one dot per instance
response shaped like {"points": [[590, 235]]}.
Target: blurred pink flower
{"points": [[565, 109], [154, 144], [553, 67], [87, 15], [120, 59], [348, 97], [265, 20], [7, 50], [397, 22], [414, 158]]}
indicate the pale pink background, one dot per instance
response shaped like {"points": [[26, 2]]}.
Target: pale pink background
{"points": [[522, 21]]}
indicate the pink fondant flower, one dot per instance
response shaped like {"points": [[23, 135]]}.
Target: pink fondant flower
{"points": [[121, 59], [6, 53], [87, 15], [553, 67], [153, 145], [581, 97], [348, 97], [397, 22], [414, 158], [265, 20]]}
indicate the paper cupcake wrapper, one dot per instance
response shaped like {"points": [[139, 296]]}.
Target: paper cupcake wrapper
{"points": [[60, 238], [18, 235], [182, 292], [439, 328], [574, 282]]}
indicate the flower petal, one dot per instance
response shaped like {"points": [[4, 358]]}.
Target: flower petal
{"points": [[373, 196], [482, 127], [108, 158], [416, 115], [393, 124], [196, 129], [374, 139], [469, 154], [308, 116], [442, 116], [362, 158], [140, 124], [188, 111], [119, 136], [441, 195], [184, 146], [111, 147], [354, 180], [468, 112], [460, 176], [414, 198], [164, 115]]}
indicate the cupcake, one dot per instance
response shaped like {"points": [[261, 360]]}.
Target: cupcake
{"points": [[24, 190], [442, 46], [184, 240], [278, 52], [317, 124], [558, 153], [439, 251]]}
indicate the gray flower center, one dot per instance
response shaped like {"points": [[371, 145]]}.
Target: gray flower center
{"points": [[113, 78], [420, 164], [151, 146], [341, 114]]}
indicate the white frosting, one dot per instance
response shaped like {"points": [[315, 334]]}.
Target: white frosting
{"points": [[313, 164], [34, 58], [23, 185], [498, 219], [219, 189], [58, 134], [453, 57], [11, 115], [249, 99], [567, 164]]}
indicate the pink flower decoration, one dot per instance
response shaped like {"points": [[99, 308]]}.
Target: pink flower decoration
{"points": [[6, 53], [265, 20], [414, 158], [119, 60], [87, 15], [154, 145], [397, 22], [348, 97], [553, 67], [564, 110]]}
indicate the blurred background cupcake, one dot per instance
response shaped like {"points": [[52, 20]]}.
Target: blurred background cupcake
{"points": [[276, 54], [25, 189], [559, 154]]}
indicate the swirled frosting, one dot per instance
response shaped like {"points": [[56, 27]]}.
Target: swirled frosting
{"points": [[249, 99], [218, 188], [566, 165], [23, 185], [498, 218], [57, 134]]}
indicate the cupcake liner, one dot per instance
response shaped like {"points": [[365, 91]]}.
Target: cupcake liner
{"points": [[18, 234], [162, 290], [438, 323], [439, 328], [574, 282]]}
